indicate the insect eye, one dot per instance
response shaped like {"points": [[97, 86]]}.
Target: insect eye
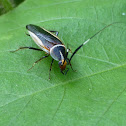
{"points": [[60, 63]]}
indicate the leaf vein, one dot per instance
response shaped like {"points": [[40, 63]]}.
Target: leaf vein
{"points": [[64, 83], [109, 107]]}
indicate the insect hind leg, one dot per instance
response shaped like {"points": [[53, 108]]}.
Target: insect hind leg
{"points": [[26, 48]]}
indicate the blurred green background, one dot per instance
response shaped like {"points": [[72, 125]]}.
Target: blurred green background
{"points": [[7, 5]]}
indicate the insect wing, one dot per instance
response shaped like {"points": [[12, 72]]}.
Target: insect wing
{"points": [[39, 42], [43, 38]]}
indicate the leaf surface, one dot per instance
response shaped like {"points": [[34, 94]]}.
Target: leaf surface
{"points": [[94, 95]]}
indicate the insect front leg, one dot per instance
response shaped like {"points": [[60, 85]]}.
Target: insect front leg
{"points": [[37, 61], [26, 48], [62, 72], [69, 63], [66, 71], [72, 67]]}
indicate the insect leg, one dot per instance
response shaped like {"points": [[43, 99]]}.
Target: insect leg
{"points": [[50, 68], [62, 72], [71, 65], [55, 32], [27, 34], [26, 48], [37, 62], [69, 48], [66, 71]]}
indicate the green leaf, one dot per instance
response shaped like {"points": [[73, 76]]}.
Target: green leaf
{"points": [[94, 95]]}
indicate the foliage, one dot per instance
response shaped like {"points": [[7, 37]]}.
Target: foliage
{"points": [[7, 5], [94, 95]]}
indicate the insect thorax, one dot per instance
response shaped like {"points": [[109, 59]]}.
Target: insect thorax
{"points": [[58, 52]]}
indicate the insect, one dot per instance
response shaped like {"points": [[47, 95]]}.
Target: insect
{"points": [[53, 46]]}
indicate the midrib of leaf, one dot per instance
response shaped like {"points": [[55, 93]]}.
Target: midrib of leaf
{"points": [[62, 84]]}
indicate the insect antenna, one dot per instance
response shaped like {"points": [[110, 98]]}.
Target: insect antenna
{"points": [[90, 39]]}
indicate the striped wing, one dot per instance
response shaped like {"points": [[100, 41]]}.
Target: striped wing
{"points": [[43, 38]]}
